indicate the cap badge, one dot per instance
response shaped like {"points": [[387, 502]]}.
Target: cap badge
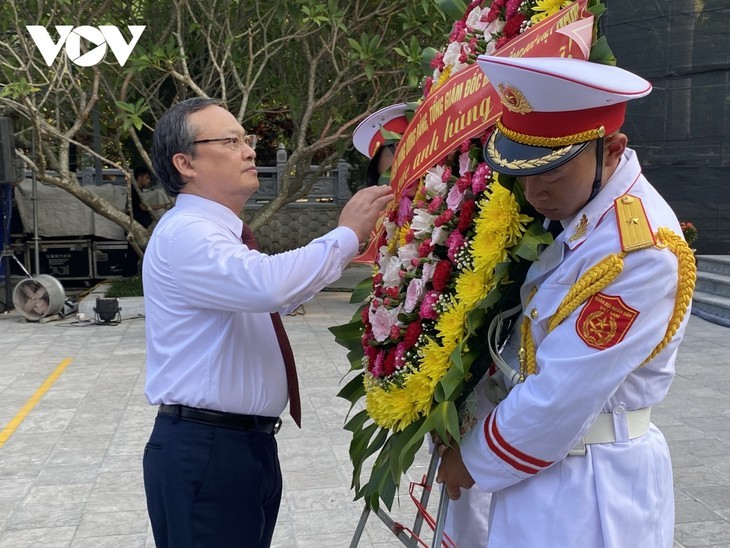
{"points": [[514, 100], [580, 230]]}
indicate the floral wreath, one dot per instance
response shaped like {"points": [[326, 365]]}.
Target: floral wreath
{"points": [[452, 256]]}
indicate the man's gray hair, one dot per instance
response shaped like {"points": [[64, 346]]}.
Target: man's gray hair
{"points": [[174, 134]]}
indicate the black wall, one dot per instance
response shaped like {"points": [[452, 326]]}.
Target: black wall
{"points": [[681, 131]]}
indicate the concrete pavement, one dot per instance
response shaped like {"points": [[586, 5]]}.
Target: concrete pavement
{"points": [[70, 471]]}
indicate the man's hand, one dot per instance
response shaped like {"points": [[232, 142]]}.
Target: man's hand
{"points": [[452, 472], [364, 209]]}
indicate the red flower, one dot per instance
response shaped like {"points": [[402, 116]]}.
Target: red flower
{"points": [[389, 365], [427, 86], [444, 218], [435, 204], [446, 175], [464, 181], [425, 248], [394, 333], [413, 331], [441, 275], [512, 27], [467, 212]]}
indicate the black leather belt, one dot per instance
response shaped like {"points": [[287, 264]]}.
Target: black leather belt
{"points": [[247, 423]]}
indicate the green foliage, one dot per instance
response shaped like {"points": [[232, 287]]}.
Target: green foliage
{"points": [[131, 114], [125, 287], [19, 89]]}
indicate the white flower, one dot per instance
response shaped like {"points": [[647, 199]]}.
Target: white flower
{"points": [[451, 55], [390, 229], [422, 223], [406, 253], [495, 27], [434, 182], [439, 235], [474, 21], [391, 272], [383, 257], [427, 271]]}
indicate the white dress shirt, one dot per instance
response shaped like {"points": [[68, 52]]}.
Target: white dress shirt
{"points": [[210, 340]]}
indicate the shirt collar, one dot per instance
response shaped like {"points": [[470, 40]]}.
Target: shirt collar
{"points": [[216, 212], [585, 221]]}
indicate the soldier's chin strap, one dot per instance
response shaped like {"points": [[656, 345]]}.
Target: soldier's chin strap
{"points": [[599, 169]]}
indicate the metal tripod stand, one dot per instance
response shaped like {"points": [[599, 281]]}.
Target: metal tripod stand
{"points": [[410, 537]]}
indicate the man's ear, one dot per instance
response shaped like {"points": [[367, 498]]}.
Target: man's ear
{"points": [[184, 165], [613, 148]]}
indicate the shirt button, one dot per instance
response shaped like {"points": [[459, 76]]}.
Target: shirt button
{"points": [[619, 409], [533, 313]]}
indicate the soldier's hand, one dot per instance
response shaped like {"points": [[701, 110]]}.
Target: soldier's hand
{"points": [[364, 209], [452, 471]]}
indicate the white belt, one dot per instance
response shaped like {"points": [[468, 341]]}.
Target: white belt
{"points": [[603, 430]]}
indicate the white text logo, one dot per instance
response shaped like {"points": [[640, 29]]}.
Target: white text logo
{"points": [[101, 37]]}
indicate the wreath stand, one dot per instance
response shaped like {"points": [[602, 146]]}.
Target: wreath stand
{"points": [[410, 537]]}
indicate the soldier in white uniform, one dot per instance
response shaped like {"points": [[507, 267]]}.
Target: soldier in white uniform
{"points": [[570, 454]]}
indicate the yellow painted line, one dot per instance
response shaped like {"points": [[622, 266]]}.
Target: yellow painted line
{"points": [[32, 402]]}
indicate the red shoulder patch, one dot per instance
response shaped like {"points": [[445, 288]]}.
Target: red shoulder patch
{"points": [[604, 321]]}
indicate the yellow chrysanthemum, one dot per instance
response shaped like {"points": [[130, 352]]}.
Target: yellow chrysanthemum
{"points": [[435, 362], [545, 8], [402, 233], [444, 76], [471, 287], [421, 390], [450, 325], [393, 409]]}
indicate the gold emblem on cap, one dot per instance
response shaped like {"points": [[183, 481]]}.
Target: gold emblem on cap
{"points": [[580, 230], [513, 99]]}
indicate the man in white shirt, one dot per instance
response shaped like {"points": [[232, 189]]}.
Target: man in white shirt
{"points": [[218, 364]]}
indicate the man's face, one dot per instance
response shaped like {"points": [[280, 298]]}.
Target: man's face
{"points": [[220, 173], [561, 192], [144, 180]]}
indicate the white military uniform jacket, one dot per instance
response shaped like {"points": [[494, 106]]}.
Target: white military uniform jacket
{"points": [[617, 494]]}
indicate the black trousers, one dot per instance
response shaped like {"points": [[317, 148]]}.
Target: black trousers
{"points": [[211, 487]]}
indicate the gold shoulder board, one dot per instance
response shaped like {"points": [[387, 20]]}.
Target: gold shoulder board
{"points": [[633, 225]]}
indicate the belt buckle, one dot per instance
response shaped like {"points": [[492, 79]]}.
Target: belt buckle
{"points": [[277, 426], [579, 450]]}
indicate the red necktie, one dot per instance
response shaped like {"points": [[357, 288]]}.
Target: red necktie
{"points": [[295, 406]]}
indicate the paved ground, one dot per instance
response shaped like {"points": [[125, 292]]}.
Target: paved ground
{"points": [[70, 472]]}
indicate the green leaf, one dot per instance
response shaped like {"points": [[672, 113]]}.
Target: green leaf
{"points": [[601, 52], [426, 57], [446, 421], [362, 291], [356, 423], [454, 9], [528, 248], [353, 390], [451, 382], [347, 335]]}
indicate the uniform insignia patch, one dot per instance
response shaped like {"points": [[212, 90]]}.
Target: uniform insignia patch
{"points": [[580, 229], [514, 99], [604, 321]]}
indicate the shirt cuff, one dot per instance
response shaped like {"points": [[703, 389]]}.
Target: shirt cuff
{"points": [[347, 242]]}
